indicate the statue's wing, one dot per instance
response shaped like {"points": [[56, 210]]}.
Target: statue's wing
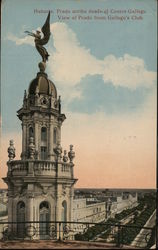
{"points": [[46, 31]]}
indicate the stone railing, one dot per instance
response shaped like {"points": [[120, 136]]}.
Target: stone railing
{"points": [[65, 170], [44, 166], [40, 168], [17, 168]]}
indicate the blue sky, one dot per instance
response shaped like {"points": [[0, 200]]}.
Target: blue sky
{"points": [[100, 97]]}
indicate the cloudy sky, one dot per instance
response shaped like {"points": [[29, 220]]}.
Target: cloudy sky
{"points": [[104, 67]]}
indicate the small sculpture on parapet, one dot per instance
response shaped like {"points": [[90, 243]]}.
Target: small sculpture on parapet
{"points": [[65, 158], [71, 154], [58, 150], [11, 151]]}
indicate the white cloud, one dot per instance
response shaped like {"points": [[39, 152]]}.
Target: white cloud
{"points": [[70, 62], [20, 41], [127, 71]]}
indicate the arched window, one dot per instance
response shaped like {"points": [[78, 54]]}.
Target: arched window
{"points": [[31, 133], [55, 135], [44, 211], [43, 143], [44, 205], [21, 218], [44, 134]]}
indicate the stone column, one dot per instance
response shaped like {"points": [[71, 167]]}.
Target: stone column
{"points": [[14, 214], [30, 208], [10, 214], [59, 131], [10, 208], [71, 192], [29, 226], [36, 136], [58, 211], [24, 132], [50, 138]]}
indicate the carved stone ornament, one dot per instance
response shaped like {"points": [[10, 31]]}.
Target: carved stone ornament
{"points": [[65, 157], [37, 91], [31, 149], [45, 189], [11, 151], [58, 150], [63, 189], [44, 101], [42, 66], [30, 195], [55, 104], [71, 154]]}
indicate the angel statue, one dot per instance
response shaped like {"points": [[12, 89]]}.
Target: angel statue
{"points": [[39, 42]]}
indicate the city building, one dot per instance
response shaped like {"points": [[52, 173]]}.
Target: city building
{"points": [[85, 210], [40, 184], [116, 204]]}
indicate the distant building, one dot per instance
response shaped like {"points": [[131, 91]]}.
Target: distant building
{"points": [[119, 203], [3, 196], [87, 211], [94, 211], [84, 211], [3, 211], [91, 209]]}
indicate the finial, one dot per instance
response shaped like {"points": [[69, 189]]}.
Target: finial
{"points": [[42, 66], [11, 151], [71, 154], [59, 101], [58, 150], [65, 158]]}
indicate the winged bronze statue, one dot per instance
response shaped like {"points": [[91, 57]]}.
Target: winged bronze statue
{"points": [[40, 41]]}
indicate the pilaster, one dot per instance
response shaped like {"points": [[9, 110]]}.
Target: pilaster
{"points": [[24, 139]]}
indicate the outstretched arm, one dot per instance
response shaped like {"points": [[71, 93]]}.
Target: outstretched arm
{"points": [[30, 33]]}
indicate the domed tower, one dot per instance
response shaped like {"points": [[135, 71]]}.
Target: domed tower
{"points": [[40, 185], [41, 118]]}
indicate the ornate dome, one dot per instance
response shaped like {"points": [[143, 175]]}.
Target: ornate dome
{"points": [[42, 85]]}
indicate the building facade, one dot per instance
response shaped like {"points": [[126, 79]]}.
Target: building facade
{"points": [[85, 211], [117, 204], [40, 184]]}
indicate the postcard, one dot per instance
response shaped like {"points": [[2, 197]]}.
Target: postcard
{"points": [[78, 114]]}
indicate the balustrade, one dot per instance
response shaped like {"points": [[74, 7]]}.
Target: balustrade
{"points": [[40, 168]]}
